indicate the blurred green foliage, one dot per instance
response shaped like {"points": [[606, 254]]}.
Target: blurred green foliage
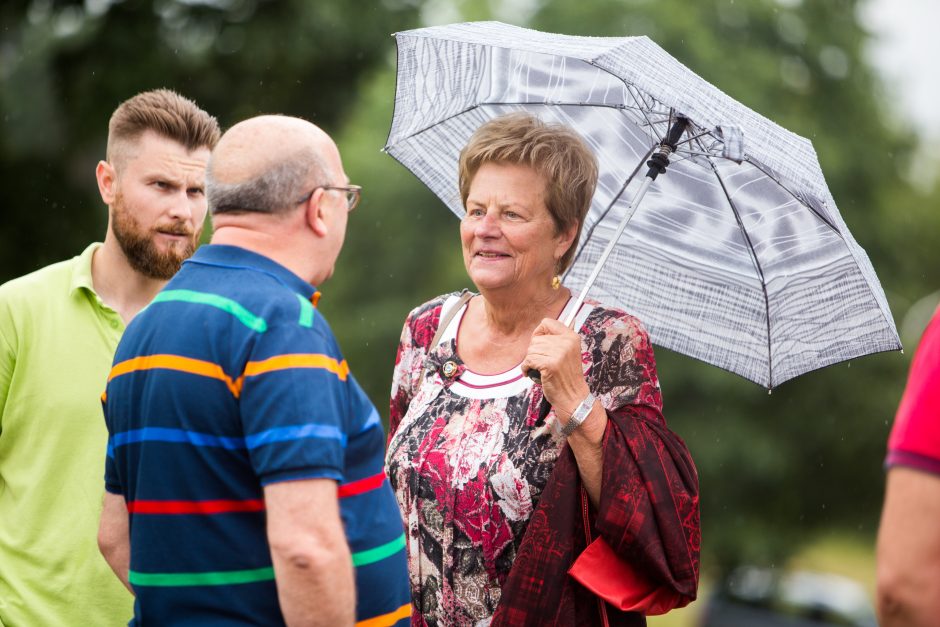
{"points": [[776, 470]]}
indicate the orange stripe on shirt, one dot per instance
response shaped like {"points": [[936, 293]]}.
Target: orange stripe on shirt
{"points": [[387, 619], [180, 364], [300, 360]]}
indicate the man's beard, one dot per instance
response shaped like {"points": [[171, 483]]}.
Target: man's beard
{"points": [[140, 249]]}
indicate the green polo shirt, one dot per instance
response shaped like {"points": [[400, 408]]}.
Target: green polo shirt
{"points": [[57, 340]]}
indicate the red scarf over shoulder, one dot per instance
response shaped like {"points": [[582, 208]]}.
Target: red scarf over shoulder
{"points": [[644, 558]]}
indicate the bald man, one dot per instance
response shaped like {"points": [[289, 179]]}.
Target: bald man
{"points": [[244, 476]]}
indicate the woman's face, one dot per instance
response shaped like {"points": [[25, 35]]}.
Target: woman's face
{"points": [[508, 234]]}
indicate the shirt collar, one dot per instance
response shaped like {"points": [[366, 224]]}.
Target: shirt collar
{"points": [[236, 257], [81, 271]]}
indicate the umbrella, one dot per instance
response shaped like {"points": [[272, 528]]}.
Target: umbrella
{"points": [[710, 223]]}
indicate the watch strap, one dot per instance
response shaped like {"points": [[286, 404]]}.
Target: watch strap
{"points": [[579, 415]]}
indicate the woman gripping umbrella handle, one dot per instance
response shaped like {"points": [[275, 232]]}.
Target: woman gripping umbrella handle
{"points": [[476, 475]]}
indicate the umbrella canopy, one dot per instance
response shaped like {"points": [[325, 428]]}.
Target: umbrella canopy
{"points": [[736, 256]]}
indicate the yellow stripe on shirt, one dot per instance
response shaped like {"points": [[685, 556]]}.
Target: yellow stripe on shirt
{"points": [[180, 364], [387, 619], [299, 360]]}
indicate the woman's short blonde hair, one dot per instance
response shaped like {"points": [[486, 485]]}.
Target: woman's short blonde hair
{"points": [[554, 151]]}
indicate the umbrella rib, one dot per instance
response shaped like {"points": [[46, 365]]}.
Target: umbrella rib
{"points": [[640, 108], [617, 107], [776, 180], [430, 126], [884, 314], [694, 137], [600, 105], [757, 266]]}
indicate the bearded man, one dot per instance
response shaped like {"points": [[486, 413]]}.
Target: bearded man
{"points": [[59, 328]]}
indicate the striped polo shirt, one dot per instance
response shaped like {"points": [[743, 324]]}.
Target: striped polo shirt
{"points": [[229, 381]]}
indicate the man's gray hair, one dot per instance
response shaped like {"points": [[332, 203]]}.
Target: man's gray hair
{"points": [[275, 191]]}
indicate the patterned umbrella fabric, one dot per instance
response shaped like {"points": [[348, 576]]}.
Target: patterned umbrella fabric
{"points": [[737, 255]]}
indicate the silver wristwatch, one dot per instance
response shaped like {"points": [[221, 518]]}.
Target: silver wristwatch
{"points": [[578, 415]]}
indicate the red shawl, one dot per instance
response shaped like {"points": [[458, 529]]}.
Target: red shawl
{"points": [[647, 556]]}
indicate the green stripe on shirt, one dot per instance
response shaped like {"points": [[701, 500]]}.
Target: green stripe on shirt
{"points": [[220, 578], [379, 553], [306, 312], [250, 320]]}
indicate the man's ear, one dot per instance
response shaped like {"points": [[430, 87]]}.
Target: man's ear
{"points": [[313, 211], [107, 182]]}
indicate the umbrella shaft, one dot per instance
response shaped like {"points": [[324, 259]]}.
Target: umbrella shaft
{"points": [[610, 247]]}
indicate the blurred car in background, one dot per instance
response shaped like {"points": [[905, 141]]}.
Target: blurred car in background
{"points": [[763, 597]]}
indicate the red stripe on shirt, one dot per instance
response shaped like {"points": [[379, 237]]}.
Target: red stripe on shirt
{"points": [[195, 507], [363, 485]]}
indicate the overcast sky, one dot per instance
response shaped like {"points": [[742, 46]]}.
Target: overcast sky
{"points": [[906, 51]]}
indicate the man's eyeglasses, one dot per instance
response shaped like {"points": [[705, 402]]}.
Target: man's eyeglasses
{"points": [[353, 192]]}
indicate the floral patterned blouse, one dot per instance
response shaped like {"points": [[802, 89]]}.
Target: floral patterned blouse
{"points": [[468, 457]]}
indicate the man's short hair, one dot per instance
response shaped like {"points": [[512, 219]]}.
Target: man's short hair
{"points": [[555, 151], [167, 114], [276, 190]]}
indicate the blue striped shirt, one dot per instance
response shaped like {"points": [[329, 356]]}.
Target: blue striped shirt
{"points": [[229, 381]]}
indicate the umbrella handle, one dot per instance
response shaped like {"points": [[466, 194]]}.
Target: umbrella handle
{"points": [[544, 406], [657, 164]]}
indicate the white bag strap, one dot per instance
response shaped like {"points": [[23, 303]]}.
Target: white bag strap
{"points": [[447, 316]]}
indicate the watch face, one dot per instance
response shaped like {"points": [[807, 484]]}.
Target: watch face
{"points": [[578, 416]]}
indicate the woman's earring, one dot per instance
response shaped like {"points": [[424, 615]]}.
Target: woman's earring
{"points": [[556, 282]]}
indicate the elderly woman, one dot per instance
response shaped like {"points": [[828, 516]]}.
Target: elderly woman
{"points": [[586, 517]]}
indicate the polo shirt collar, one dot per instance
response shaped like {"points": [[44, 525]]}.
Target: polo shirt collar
{"points": [[237, 257], [81, 270]]}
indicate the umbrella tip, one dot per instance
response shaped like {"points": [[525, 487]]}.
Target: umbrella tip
{"points": [[770, 391]]}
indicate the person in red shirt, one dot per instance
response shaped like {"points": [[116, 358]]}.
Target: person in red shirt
{"points": [[909, 536]]}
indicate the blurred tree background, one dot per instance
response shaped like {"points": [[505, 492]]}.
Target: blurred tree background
{"points": [[776, 472]]}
